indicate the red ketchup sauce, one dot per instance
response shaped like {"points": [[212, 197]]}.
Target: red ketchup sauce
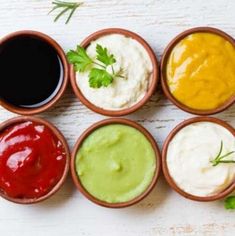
{"points": [[32, 160]]}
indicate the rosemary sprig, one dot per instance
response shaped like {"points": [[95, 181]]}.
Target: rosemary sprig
{"points": [[220, 159], [66, 7]]}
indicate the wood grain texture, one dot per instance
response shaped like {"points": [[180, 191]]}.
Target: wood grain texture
{"points": [[163, 212]]}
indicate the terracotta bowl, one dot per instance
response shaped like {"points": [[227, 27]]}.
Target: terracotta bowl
{"points": [[152, 85], [164, 60], [167, 175], [92, 129], [61, 54], [60, 136]]}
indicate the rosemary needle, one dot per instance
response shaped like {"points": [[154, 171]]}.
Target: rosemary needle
{"points": [[65, 7], [220, 159]]}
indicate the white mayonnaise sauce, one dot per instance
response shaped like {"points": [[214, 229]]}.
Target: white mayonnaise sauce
{"points": [[190, 152], [136, 64]]}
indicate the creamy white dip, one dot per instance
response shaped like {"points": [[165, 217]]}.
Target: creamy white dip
{"points": [[190, 152], [130, 56]]}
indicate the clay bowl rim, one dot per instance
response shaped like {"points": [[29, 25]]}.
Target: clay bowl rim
{"points": [[60, 136], [50, 41], [152, 86], [163, 66], [91, 129], [166, 173]]}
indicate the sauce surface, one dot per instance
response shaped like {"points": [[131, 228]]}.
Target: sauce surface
{"points": [[189, 157], [31, 72], [32, 160], [116, 163], [201, 71]]}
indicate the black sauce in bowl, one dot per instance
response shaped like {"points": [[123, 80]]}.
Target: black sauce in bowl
{"points": [[31, 72]]}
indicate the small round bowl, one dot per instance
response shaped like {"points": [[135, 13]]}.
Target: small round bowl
{"points": [[166, 173], [92, 129], [152, 85], [61, 54], [164, 60], [60, 136]]}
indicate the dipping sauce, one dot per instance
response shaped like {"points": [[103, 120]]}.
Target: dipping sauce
{"points": [[31, 72], [189, 157], [136, 66], [32, 160], [201, 71], [116, 163]]}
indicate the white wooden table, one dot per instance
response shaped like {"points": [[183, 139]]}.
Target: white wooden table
{"points": [[163, 212]]}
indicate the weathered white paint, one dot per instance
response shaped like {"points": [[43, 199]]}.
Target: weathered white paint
{"points": [[163, 212]]}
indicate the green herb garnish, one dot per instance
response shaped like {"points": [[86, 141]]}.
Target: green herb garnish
{"points": [[65, 7], [220, 159], [98, 76], [79, 59], [230, 202]]}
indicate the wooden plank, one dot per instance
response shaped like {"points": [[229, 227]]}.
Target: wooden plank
{"points": [[163, 212]]}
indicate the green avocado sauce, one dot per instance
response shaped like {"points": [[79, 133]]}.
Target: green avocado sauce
{"points": [[115, 163]]}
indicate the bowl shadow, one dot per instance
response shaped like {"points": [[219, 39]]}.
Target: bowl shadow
{"points": [[61, 197], [153, 201]]}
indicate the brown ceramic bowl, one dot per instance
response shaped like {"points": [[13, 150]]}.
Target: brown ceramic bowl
{"points": [[167, 175], [152, 85], [164, 60], [60, 136], [92, 129], [61, 54]]}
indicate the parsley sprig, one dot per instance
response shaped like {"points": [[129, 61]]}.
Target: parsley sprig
{"points": [[98, 74], [220, 158], [65, 7], [230, 202]]}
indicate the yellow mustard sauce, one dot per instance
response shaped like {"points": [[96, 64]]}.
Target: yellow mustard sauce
{"points": [[201, 71]]}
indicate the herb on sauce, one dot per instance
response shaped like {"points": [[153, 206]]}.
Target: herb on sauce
{"points": [[100, 76], [65, 6], [230, 202], [220, 158]]}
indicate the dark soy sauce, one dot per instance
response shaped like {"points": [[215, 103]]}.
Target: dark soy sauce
{"points": [[31, 72]]}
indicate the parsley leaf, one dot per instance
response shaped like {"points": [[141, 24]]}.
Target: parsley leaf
{"points": [[103, 56], [99, 77], [230, 202], [79, 59]]}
